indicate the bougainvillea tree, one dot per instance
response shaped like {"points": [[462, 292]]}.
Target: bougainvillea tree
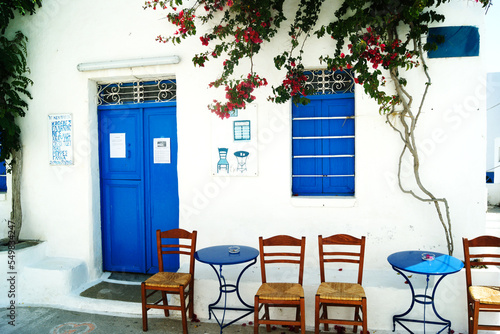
{"points": [[380, 41]]}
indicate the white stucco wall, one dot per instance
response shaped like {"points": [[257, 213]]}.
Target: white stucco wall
{"points": [[61, 204]]}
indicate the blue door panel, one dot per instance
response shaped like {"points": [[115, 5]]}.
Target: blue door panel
{"points": [[162, 197], [306, 147], [337, 107], [138, 196], [307, 166], [338, 127], [338, 146], [338, 166], [313, 109], [306, 185], [128, 122], [339, 185], [123, 226], [306, 128]]}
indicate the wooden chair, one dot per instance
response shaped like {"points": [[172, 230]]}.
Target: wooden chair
{"points": [[339, 249], [481, 298], [279, 250], [171, 282]]}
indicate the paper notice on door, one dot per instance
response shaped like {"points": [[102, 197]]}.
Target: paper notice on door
{"points": [[161, 150], [117, 145]]}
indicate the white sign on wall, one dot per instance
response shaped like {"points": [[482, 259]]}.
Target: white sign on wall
{"points": [[60, 139], [234, 143]]}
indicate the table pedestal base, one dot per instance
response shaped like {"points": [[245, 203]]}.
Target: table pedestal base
{"points": [[424, 299], [225, 288]]}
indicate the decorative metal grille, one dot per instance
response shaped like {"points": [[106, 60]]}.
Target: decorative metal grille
{"points": [[329, 82], [137, 92]]}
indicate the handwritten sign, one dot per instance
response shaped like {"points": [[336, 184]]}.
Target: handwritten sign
{"points": [[60, 139]]}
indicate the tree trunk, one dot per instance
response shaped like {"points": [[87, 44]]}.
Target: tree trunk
{"points": [[16, 215]]}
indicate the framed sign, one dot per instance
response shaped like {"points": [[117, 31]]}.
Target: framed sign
{"points": [[234, 148], [60, 140]]}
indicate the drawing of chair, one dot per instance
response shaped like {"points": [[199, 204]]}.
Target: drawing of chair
{"points": [[222, 160], [241, 157]]}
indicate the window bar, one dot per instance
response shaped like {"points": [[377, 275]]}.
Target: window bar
{"points": [[318, 118], [324, 137], [325, 156], [323, 175]]}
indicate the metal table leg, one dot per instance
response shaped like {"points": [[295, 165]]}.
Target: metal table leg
{"points": [[229, 288], [425, 299]]}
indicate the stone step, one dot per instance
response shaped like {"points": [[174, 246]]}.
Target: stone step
{"points": [[51, 277]]}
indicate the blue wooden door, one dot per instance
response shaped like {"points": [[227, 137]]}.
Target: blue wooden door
{"points": [[139, 190]]}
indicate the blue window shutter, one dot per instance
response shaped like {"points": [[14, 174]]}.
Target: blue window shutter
{"points": [[3, 178], [459, 41], [3, 174], [340, 170], [306, 170], [327, 161]]}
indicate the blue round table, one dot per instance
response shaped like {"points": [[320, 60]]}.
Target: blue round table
{"points": [[220, 256], [414, 262]]}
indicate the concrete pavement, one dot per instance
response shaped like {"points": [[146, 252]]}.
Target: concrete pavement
{"points": [[38, 320]]}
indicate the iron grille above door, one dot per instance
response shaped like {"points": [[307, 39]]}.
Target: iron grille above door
{"points": [[137, 92]]}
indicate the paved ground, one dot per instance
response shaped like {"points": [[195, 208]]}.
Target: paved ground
{"points": [[38, 320], [46, 320]]}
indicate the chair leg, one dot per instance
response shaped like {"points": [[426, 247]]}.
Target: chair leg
{"points": [[144, 309], [470, 315], [191, 300], [302, 316], [356, 318], [325, 316], [183, 312], [297, 316], [165, 302], [256, 315], [475, 318], [266, 316], [365, 316], [316, 314]]}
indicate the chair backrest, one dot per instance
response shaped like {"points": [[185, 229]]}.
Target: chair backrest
{"points": [[282, 249], [223, 153], [334, 249], [176, 241], [485, 248]]}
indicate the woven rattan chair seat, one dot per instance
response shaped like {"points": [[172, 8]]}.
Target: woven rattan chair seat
{"points": [[486, 294], [341, 291], [281, 291], [168, 279]]}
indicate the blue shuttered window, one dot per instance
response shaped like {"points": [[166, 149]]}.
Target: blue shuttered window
{"points": [[3, 178], [323, 146]]}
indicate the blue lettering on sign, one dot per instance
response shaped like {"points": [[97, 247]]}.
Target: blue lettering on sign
{"points": [[61, 139]]}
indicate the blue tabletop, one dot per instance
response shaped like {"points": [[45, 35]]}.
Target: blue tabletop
{"points": [[220, 255], [412, 262]]}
